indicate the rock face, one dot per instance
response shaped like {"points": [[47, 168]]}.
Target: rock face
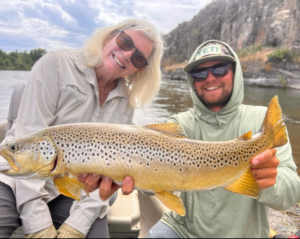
{"points": [[240, 23], [283, 74]]}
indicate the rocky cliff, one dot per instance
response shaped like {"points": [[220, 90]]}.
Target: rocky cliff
{"points": [[272, 24], [240, 23]]}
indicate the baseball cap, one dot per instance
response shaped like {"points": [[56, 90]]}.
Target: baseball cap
{"points": [[210, 51]]}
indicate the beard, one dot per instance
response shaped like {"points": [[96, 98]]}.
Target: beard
{"points": [[220, 101]]}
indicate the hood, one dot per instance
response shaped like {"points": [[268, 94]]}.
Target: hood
{"points": [[225, 115]]}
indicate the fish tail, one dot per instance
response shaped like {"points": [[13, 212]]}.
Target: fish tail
{"points": [[274, 128]]}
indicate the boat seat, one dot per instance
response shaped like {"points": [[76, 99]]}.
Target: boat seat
{"points": [[124, 215], [2, 130]]}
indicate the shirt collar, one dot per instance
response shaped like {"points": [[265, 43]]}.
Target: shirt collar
{"points": [[119, 91], [81, 65]]}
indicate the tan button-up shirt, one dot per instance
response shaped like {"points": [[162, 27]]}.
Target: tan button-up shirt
{"points": [[61, 89]]}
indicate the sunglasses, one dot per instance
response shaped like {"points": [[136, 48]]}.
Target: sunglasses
{"points": [[126, 44], [218, 70]]}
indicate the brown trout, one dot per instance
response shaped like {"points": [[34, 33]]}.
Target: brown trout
{"points": [[158, 157]]}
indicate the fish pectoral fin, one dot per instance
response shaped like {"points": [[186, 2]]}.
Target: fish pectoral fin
{"points": [[246, 137], [169, 129], [245, 185], [171, 201], [69, 187]]}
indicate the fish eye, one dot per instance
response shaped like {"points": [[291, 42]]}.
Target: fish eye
{"points": [[14, 147]]}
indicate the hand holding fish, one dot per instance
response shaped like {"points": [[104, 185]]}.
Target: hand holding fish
{"points": [[106, 186], [264, 168]]}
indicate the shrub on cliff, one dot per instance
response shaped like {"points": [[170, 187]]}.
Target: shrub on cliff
{"points": [[250, 50], [281, 54]]}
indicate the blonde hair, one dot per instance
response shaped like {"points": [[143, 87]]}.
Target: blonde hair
{"points": [[143, 85]]}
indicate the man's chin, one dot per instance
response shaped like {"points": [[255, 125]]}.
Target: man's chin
{"points": [[213, 105], [216, 102]]}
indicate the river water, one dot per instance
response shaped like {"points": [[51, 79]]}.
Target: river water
{"points": [[174, 97]]}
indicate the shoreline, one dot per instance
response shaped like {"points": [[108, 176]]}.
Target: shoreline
{"points": [[266, 74]]}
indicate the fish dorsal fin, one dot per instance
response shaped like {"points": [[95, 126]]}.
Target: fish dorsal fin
{"points": [[172, 202], [246, 137], [69, 187], [168, 129], [245, 185]]}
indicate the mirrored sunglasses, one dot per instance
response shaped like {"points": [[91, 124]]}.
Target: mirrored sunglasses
{"points": [[219, 70]]}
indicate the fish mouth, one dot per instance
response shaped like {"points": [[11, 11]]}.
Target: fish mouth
{"points": [[12, 162]]}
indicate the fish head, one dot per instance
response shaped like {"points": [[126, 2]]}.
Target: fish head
{"points": [[31, 157]]}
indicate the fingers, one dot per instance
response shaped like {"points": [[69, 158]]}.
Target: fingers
{"points": [[127, 186], [264, 173], [265, 178], [81, 178], [264, 168], [107, 188], [91, 182], [265, 159], [266, 182]]}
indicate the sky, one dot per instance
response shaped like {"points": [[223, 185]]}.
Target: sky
{"points": [[62, 24]]}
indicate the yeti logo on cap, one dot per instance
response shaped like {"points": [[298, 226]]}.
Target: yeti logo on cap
{"points": [[209, 50]]}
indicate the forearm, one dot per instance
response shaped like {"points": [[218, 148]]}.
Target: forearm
{"points": [[32, 198]]}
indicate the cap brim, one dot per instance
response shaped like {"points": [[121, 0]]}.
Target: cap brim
{"points": [[191, 66]]}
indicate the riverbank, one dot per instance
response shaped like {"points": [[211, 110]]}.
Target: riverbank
{"points": [[262, 66], [285, 223], [259, 74]]}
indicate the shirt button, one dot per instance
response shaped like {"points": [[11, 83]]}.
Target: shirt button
{"points": [[24, 123]]}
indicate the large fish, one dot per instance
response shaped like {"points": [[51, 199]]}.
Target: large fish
{"points": [[158, 157]]}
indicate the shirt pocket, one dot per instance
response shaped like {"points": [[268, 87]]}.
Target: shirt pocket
{"points": [[72, 101]]}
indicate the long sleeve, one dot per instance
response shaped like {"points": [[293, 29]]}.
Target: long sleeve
{"points": [[5, 179], [286, 192], [84, 213], [37, 111]]}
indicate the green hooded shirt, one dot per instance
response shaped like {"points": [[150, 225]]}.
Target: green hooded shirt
{"points": [[219, 213]]}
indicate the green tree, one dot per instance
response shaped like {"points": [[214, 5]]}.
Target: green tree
{"points": [[2, 54], [2, 64], [20, 60], [37, 54]]}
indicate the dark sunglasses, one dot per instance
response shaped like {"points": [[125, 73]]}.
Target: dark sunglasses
{"points": [[218, 70], [126, 44]]}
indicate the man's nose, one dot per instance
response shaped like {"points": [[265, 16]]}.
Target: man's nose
{"points": [[210, 76], [127, 54]]}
